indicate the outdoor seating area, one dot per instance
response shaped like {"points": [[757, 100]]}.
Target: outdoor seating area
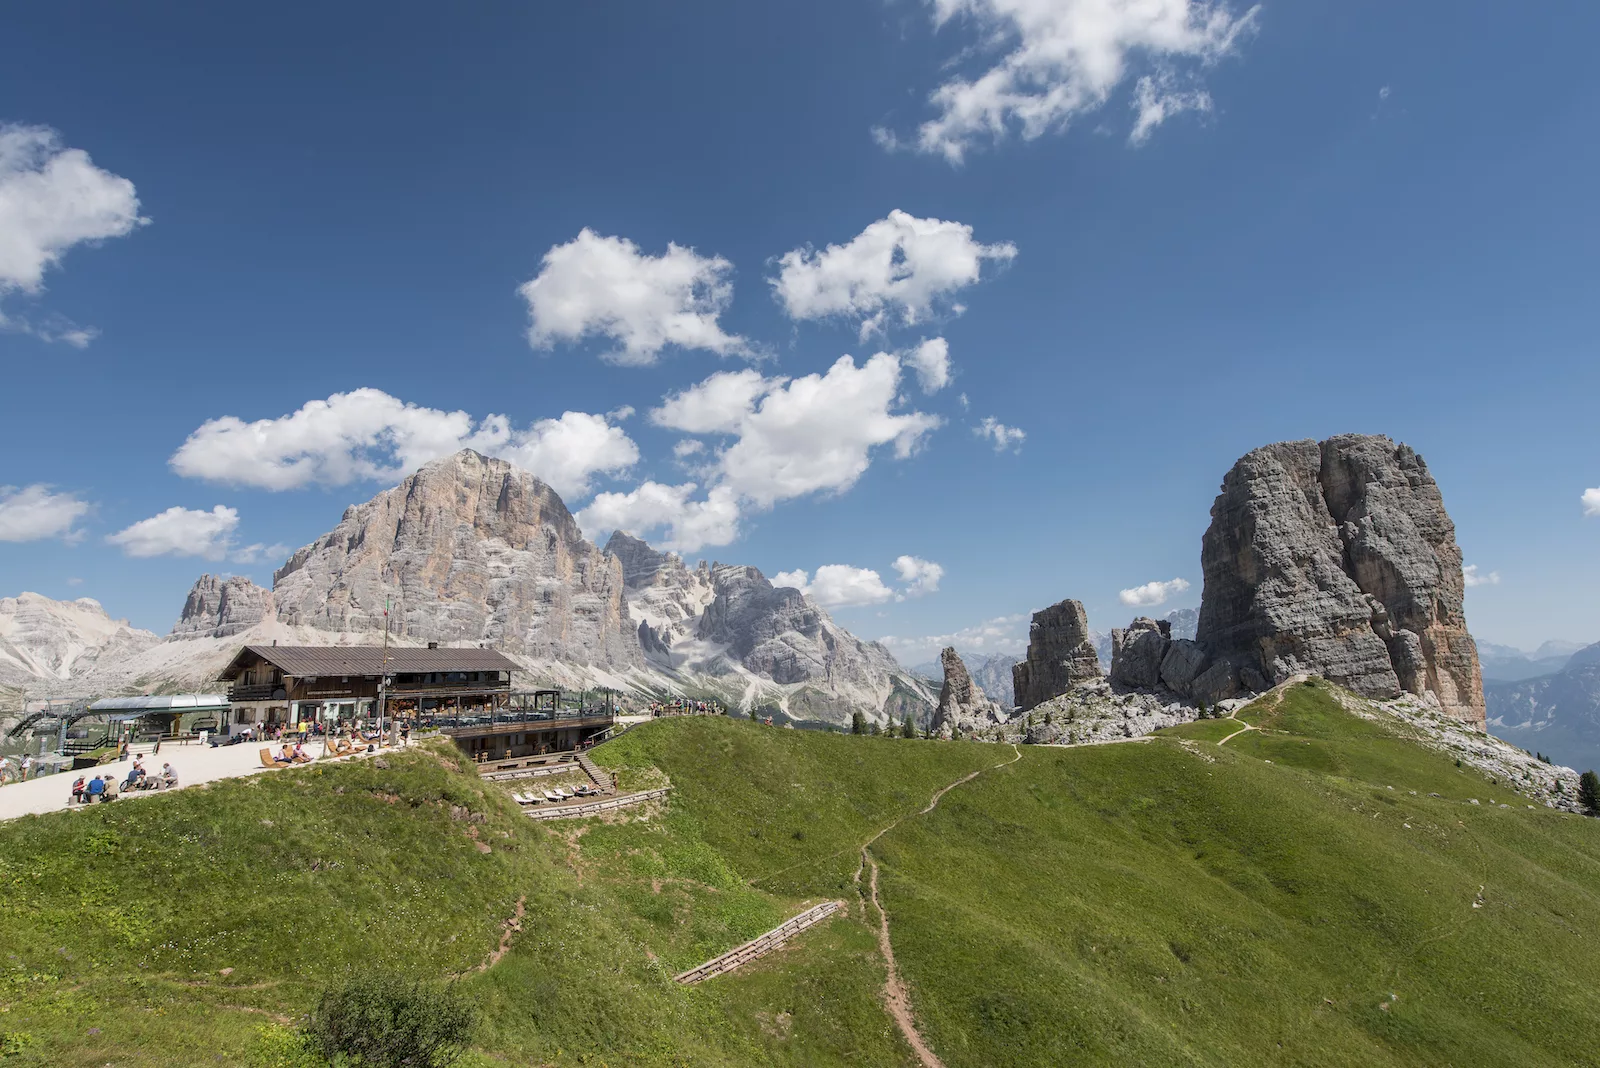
{"points": [[558, 795]]}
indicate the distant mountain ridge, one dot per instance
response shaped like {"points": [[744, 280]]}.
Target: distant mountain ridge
{"points": [[1557, 714], [473, 550]]}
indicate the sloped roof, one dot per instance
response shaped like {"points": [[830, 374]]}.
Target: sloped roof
{"points": [[302, 661], [180, 702]]}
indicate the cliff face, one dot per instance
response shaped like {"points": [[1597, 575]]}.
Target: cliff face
{"points": [[1336, 558], [1061, 654], [664, 597], [467, 549], [217, 608]]}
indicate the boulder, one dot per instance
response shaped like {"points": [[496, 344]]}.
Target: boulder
{"points": [[1183, 663], [1060, 655], [1137, 652]]}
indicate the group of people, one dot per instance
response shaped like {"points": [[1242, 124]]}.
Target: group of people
{"points": [[101, 788], [20, 772], [680, 706]]}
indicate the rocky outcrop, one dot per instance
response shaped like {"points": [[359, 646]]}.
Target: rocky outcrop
{"points": [[1060, 655], [49, 641], [221, 608], [1337, 559], [963, 707], [467, 549], [662, 593], [1137, 652]]}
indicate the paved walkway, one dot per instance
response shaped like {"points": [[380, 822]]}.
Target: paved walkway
{"points": [[194, 763]]}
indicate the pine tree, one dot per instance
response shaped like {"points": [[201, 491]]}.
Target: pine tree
{"points": [[908, 729], [1589, 793], [858, 723]]}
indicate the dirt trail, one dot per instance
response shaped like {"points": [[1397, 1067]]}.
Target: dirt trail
{"points": [[513, 926], [897, 999], [1276, 693]]}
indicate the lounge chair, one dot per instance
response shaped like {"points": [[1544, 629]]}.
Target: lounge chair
{"points": [[552, 796], [267, 761], [519, 799]]}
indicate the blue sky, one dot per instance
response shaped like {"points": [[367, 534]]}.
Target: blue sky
{"points": [[1350, 217]]}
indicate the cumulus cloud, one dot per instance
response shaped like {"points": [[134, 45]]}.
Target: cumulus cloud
{"points": [[1474, 577], [1152, 593], [1591, 501], [604, 286], [688, 524], [368, 435], [920, 576], [718, 405], [783, 439], [1061, 59], [817, 432], [1003, 634], [900, 268], [999, 435], [180, 532], [838, 585], [931, 361], [51, 199], [34, 513]]}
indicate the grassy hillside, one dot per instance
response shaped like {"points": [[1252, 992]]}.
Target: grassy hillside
{"points": [[1293, 896]]}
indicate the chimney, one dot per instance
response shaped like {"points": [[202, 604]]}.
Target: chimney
{"points": [[274, 641], [433, 645]]}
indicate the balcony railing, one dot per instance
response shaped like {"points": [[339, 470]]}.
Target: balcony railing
{"points": [[486, 720], [254, 693]]}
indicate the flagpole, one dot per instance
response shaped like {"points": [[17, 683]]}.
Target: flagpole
{"points": [[383, 672]]}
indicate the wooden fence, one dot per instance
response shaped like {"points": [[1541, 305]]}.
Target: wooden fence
{"points": [[594, 808], [760, 946]]}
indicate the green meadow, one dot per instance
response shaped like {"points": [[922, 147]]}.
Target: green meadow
{"points": [[1319, 891]]}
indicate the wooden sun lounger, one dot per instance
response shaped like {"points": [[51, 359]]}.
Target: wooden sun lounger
{"points": [[268, 762], [551, 795]]}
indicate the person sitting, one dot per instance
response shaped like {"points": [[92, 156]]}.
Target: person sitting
{"points": [[135, 773], [111, 789], [300, 756], [95, 791], [284, 755], [77, 789], [169, 776]]}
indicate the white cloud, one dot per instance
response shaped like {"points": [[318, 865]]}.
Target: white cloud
{"points": [[1383, 94], [1003, 634], [718, 405], [52, 198], [790, 438], [1157, 98], [838, 585], [921, 576], [688, 524], [900, 267], [180, 532], [1474, 577], [1591, 501], [1002, 437], [368, 435], [1152, 593], [817, 432], [33, 513], [931, 361], [1064, 58], [595, 285]]}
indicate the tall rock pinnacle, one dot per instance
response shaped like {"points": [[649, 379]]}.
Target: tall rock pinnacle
{"points": [[1337, 558], [1060, 655]]}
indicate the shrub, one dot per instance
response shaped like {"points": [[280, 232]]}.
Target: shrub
{"points": [[384, 1021]]}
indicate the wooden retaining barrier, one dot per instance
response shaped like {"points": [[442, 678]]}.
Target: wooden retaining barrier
{"points": [[594, 808], [760, 946]]}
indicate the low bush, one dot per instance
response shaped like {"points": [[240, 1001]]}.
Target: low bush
{"points": [[384, 1021]]}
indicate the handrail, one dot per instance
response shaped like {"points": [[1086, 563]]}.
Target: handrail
{"points": [[761, 946]]}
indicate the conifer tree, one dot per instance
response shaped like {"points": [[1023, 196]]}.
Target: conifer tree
{"points": [[908, 729], [858, 723], [1589, 793]]}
